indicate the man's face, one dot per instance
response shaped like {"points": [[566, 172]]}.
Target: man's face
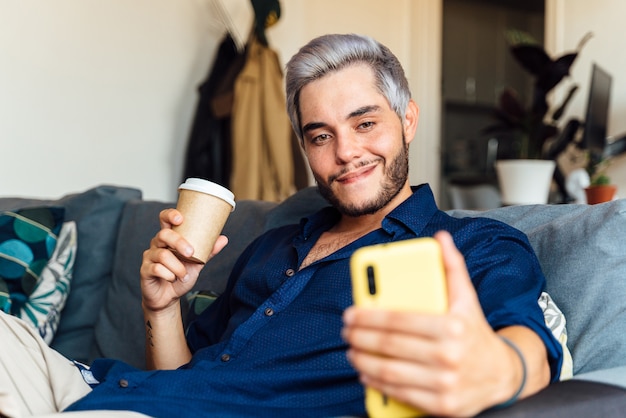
{"points": [[355, 142]]}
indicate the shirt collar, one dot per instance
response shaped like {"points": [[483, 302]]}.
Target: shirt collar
{"points": [[411, 215], [414, 213]]}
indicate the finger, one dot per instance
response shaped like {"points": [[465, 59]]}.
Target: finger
{"points": [[378, 371], [168, 238], [440, 344], [220, 243], [419, 324], [453, 260], [161, 263], [170, 217], [417, 384], [159, 271], [389, 344], [461, 292]]}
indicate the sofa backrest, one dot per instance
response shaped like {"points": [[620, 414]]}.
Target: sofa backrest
{"points": [[582, 253], [579, 247]]}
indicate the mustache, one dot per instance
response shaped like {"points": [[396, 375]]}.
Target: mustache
{"points": [[349, 168]]}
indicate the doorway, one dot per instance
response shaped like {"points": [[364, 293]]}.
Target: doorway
{"points": [[476, 67]]}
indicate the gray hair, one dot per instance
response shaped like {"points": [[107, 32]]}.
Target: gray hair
{"points": [[329, 53]]}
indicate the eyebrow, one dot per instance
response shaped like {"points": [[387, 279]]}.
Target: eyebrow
{"points": [[363, 110], [358, 112], [312, 126]]}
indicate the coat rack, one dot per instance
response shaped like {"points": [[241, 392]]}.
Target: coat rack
{"points": [[237, 17]]}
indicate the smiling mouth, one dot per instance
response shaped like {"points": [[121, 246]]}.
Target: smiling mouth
{"points": [[353, 175]]}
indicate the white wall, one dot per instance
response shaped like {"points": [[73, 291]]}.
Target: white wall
{"points": [[95, 92]]}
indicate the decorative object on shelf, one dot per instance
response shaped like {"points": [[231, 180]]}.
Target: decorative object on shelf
{"points": [[600, 189], [576, 183], [534, 129]]}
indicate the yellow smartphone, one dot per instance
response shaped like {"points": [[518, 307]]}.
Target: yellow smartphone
{"points": [[403, 275]]}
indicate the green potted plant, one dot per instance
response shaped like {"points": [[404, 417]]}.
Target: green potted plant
{"points": [[532, 125], [533, 128], [600, 188]]}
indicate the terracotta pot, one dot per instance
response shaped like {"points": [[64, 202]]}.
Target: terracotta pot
{"points": [[600, 194]]}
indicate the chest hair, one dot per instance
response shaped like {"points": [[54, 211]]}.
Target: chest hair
{"points": [[328, 243]]}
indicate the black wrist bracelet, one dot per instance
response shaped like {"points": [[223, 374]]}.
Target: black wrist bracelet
{"points": [[515, 396]]}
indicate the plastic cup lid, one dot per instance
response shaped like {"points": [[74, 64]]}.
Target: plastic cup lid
{"points": [[208, 187]]}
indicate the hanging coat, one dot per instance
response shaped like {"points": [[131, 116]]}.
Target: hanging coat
{"points": [[263, 165], [209, 150]]}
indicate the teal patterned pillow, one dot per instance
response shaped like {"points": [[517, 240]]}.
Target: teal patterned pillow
{"points": [[28, 238], [43, 307]]}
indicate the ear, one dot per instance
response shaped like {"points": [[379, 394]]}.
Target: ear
{"points": [[411, 118]]}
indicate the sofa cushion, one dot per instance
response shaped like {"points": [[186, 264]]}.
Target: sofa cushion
{"points": [[44, 305], [27, 240], [119, 329], [122, 319], [37, 251], [97, 213], [297, 206], [582, 255]]}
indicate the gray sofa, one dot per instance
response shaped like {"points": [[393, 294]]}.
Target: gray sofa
{"points": [[581, 249]]}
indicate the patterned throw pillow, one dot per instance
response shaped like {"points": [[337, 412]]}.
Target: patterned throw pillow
{"points": [[44, 305], [29, 263], [555, 320]]}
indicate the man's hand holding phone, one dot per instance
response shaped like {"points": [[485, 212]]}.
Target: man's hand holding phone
{"points": [[436, 360]]}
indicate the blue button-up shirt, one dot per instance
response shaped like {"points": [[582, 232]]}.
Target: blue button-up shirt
{"points": [[271, 344]]}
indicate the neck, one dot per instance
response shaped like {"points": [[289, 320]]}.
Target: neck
{"points": [[373, 221]]}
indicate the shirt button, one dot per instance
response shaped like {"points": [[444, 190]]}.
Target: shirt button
{"points": [[269, 311], [123, 383], [290, 272], [225, 357]]}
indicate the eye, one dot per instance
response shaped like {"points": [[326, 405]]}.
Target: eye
{"points": [[366, 125], [319, 139]]}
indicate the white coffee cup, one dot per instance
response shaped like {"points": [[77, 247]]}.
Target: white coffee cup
{"points": [[205, 207]]}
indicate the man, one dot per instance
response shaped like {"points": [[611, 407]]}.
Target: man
{"points": [[274, 343]]}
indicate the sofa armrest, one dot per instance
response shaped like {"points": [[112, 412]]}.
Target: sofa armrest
{"points": [[567, 399], [614, 376]]}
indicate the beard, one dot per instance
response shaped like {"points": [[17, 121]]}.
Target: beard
{"points": [[395, 176]]}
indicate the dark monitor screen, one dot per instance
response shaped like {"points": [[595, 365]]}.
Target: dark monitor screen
{"points": [[597, 114]]}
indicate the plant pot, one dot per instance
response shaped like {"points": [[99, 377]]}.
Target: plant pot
{"points": [[525, 182], [600, 194]]}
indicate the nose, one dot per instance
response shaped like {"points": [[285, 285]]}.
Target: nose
{"points": [[348, 147]]}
